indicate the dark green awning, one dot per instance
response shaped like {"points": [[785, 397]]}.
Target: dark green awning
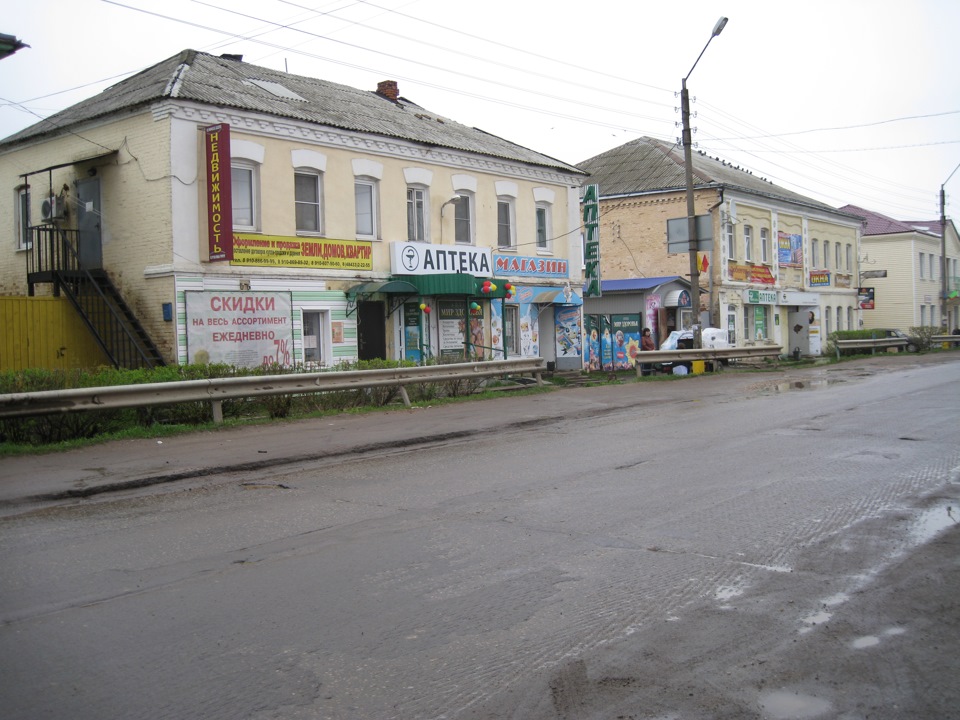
{"points": [[451, 284], [388, 287]]}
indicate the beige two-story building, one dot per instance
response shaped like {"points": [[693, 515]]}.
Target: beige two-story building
{"points": [[902, 268], [210, 210], [778, 267]]}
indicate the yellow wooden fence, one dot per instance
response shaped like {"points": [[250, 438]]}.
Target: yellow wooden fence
{"points": [[45, 332]]}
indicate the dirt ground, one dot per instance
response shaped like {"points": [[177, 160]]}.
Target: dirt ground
{"points": [[886, 651]]}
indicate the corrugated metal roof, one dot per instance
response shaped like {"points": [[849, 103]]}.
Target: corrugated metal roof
{"points": [[646, 165], [230, 83], [634, 284], [877, 224]]}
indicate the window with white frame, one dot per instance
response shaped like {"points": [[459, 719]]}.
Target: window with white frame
{"points": [[365, 204], [849, 260], [505, 223], [417, 214], [850, 319], [732, 327], [314, 337], [933, 274], [826, 321], [544, 230], [747, 323], [922, 265], [463, 219], [837, 257], [731, 244], [840, 318], [748, 243], [826, 254], [22, 218], [764, 246], [246, 195], [923, 315], [308, 191], [814, 253]]}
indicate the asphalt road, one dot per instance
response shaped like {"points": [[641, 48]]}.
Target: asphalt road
{"points": [[777, 545]]}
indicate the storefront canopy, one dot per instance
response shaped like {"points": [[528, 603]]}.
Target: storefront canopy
{"points": [[388, 287], [452, 284], [399, 289]]}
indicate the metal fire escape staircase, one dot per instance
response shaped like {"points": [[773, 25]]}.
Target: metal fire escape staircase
{"points": [[53, 258]]}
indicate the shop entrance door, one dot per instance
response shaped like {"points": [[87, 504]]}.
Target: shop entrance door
{"points": [[371, 330], [88, 224]]}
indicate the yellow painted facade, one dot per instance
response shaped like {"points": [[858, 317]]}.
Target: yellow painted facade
{"points": [[150, 164], [45, 333]]}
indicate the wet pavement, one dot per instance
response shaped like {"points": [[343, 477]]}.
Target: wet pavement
{"points": [[127, 464]]}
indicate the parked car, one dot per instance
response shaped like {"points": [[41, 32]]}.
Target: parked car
{"points": [[913, 344]]}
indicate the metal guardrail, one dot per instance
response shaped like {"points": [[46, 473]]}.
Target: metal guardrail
{"points": [[872, 344], [945, 339], [706, 354], [216, 390]]}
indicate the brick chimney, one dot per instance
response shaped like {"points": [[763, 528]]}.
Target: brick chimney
{"points": [[389, 90]]}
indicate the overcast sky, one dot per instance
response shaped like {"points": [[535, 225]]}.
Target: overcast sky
{"points": [[846, 101]]}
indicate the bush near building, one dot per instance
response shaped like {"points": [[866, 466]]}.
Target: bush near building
{"points": [[49, 429]]}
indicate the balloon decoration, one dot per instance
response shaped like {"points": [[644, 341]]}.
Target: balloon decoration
{"points": [[509, 288], [475, 308], [425, 308]]}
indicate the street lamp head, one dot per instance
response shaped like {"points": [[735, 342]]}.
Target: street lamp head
{"points": [[718, 28]]}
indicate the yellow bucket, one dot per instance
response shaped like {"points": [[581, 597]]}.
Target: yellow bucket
{"points": [[699, 367]]}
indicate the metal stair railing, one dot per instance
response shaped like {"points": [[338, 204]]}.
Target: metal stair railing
{"points": [[54, 258]]}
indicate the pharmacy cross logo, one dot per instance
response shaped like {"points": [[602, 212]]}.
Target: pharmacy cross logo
{"points": [[411, 258]]}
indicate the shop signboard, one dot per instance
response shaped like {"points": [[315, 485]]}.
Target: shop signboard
{"points": [[216, 140], [245, 329]]}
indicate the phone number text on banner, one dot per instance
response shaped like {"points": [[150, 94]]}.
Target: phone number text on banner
{"points": [[298, 252]]}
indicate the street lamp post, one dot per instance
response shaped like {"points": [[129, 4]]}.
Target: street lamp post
{"points": [[943, 251], [688, 172]]}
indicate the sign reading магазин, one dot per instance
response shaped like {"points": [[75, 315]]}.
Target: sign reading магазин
{"points": [[412, 258], [245, 329], [523, 266]]}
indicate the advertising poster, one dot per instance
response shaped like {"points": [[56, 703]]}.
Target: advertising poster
{"points": [[790, 250], [819, 278], [529, 330], [866, 298], [626, 340], [477, 343], [653, 303], [411, 332], [813, 328], [759, 322], [567, 322], [452, 319], [496, 330], [591, 358], [245, 329]]}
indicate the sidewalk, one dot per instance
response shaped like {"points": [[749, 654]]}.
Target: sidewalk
{"points": [[127, 464]]}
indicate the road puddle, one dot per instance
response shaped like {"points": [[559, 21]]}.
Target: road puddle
{"points": [[783, 705], [932, 522], [805, 385]]}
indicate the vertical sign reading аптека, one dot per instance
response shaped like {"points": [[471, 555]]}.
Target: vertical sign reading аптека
{"points": [[219, 197], [591, 244]]}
